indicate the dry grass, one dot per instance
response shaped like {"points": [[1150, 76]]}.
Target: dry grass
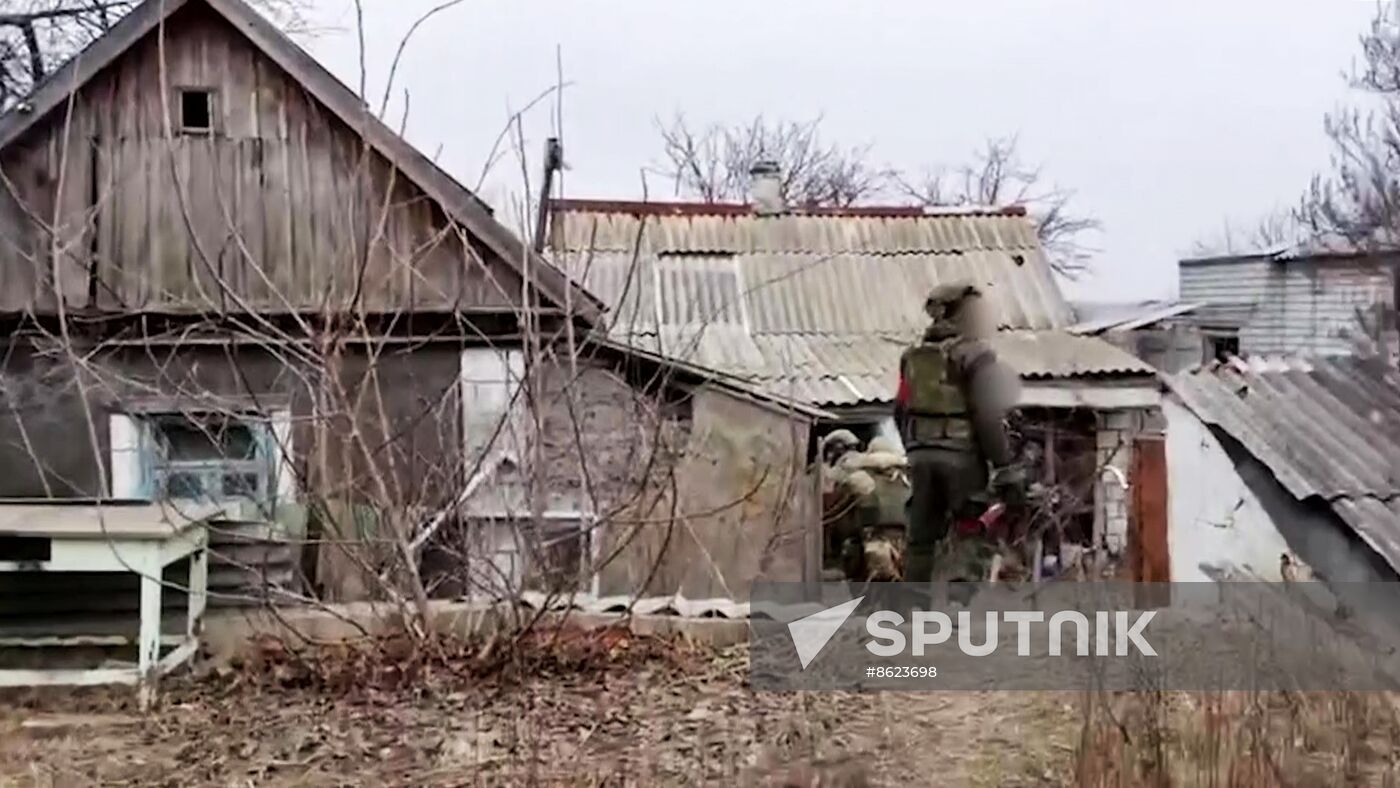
{"points": [[1241, 740], [609, 708], [597, 709]]}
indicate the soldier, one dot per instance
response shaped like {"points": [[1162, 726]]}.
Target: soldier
{"points": [[950, 409], [844, 493], [885, 538]]}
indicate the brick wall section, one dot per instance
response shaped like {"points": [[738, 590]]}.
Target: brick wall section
{"points": [[1117, 430]]}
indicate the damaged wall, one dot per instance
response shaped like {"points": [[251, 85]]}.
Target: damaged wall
{"points": [[1216, 524], [696, 493], [1169, 346], [682, 488], [744, 502]]}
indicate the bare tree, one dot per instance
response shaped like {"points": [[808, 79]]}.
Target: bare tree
{"points": [[1277, 228], [997, 175], [1356, 206], [713, 162], [38, 35], [1359, 200]]}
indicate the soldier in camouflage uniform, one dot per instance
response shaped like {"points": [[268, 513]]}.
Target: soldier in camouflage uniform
{"points": [[843, 497], [865, 506], [885, 508], [951, 413]]}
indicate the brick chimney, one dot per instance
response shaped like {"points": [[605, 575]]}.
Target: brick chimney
{"points": [[766, 188]]}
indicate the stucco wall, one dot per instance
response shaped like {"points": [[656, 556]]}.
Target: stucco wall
{"points": [[1214, 519], [743, 504]]}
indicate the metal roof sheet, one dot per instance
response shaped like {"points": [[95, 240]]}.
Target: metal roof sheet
{"points": [[1325, 427], [1223, 315], [1310, 248], [1096, 318], [819, 306], [862, 369], [841, 268]]}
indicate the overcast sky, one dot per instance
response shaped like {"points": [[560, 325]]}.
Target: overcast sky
{"points": [[1165, 118]]}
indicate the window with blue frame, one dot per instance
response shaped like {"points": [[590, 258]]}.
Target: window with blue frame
{"points": [[210, 456]]}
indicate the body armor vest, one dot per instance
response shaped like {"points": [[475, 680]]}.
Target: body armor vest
{"points": [[937, 406]]}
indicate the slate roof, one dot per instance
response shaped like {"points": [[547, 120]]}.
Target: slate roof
{"points": [[817, 305], [1326, 427]]}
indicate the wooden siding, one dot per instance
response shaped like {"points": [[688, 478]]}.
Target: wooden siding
{"points": [[392, 417], [282, 208], [1298, 306]]}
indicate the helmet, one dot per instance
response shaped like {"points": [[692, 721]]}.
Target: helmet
{"points": [[837, 444], [945, 297], [841, 438]]}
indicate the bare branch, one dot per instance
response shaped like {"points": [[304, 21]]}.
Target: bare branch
{"points": [[713, 163], [995, 176], [36, 36]]}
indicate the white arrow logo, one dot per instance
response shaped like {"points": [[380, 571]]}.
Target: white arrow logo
{"points": [[811, 634]]}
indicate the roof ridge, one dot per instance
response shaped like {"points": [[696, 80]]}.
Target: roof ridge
{"points": [[700, 208]]}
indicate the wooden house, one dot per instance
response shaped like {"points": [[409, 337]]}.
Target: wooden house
{"points": [[222, 276]]}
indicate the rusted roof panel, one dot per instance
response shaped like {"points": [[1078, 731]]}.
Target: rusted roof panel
{"points": [[818, 305], [1326, 428]]}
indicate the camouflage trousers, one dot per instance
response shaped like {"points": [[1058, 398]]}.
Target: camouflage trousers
{"points": [[877, 556], [944, 483]]}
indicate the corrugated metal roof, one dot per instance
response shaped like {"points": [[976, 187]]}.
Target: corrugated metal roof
{"points": [[817, 307], [1328, 428], [861, 368], [1055, 354], [1321, 247], [1224, 315], [1097, 317]]}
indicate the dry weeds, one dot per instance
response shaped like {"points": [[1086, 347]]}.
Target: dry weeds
{"points": [[603, 708]]}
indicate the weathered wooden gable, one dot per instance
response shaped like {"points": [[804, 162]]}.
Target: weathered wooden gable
{"points": [[281, 207]]}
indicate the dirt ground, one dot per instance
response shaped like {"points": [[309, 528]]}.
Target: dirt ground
{"points": [[616, 713]]}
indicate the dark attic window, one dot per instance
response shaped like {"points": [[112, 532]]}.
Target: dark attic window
{"points": [[196, 111]]}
